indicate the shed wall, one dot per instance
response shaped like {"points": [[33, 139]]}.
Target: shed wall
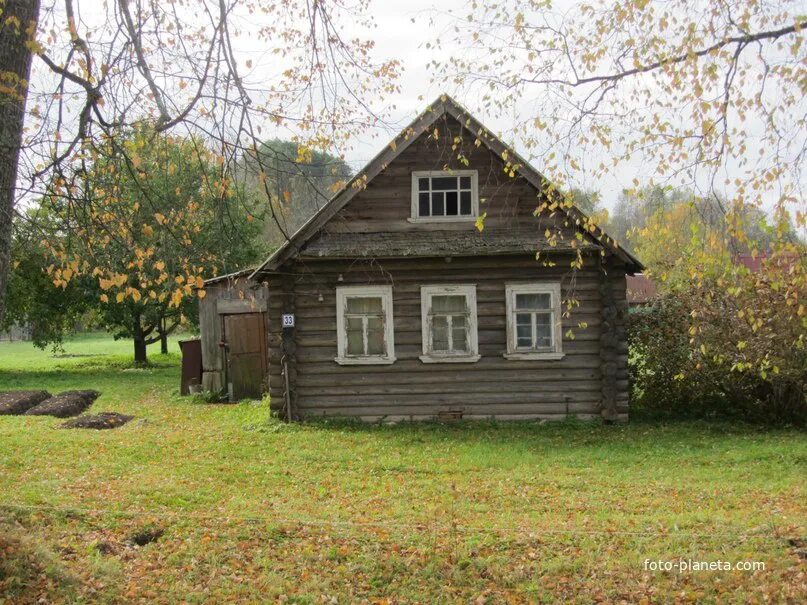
{"points": [[228, 296]]}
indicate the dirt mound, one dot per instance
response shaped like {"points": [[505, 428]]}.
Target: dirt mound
{"points": [[19, 402], [104, 420], [64, 405]]}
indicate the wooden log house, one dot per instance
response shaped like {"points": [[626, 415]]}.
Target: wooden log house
{"points": [[429, 287]]}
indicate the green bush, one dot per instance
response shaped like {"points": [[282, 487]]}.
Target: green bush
{"points": [[683, 368]]}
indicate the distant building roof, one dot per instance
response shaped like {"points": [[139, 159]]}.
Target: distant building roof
{"points": [[756, 262], [641, 289], [750, 261]]}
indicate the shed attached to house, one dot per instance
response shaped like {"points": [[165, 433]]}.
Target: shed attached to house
{"points": [[448, 278], [233, 322]]}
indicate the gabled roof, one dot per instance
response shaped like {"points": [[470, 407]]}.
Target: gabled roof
{"points": [[444, 105]]}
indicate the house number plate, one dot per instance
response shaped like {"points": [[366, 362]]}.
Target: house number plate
{"points": [[288, 320]]}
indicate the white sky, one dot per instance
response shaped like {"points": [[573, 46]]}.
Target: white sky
{"points": [[403, 30], [399, 37]]}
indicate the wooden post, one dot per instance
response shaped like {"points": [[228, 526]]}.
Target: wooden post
{"points": [[609, 347], [289, 352]]}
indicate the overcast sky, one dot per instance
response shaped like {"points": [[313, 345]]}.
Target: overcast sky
{"points": [[403, 30]]}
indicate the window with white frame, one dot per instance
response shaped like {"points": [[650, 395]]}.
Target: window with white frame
{"points": [[448, 317], [533, 321], [445, 195], [364, 325]]}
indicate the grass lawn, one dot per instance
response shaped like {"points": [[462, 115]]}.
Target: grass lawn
{"points": [[254, 510]]}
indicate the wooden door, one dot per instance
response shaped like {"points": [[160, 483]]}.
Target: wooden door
{"points": [[245, 346]]}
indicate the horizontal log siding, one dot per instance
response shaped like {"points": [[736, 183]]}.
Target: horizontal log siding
{"points": [[410, 389], [385, 204]]}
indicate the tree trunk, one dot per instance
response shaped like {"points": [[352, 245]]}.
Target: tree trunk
{"points": [[140, 351], [163, 338], [15, 69], [139, 342]]}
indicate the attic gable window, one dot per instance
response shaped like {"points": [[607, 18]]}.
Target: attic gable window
{"points": [[448, 324], [445, 195], [533, 321], [364, 325]]}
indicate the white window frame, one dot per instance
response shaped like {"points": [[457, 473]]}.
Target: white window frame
{"points": [[556, 350], [385, 294], [416, 218], [426, 293]]}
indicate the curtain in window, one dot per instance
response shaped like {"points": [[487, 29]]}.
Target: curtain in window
{"points": [[449, 324], [364, 319], [534, 320]]}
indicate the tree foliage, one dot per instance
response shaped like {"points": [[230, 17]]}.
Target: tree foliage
{"points": [[33, 300], [100, 69], [716, 347], [162, 219], [301, 179], [704, 96]]}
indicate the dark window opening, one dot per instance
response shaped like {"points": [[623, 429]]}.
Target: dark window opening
{"points": [[444, 196]]}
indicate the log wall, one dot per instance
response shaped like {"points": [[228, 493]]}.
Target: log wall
{"points": [[410, 389], [590, 381], [384, 206]]}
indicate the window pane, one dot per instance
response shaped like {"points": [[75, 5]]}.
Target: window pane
{"points": [[423, 184], [543, 330], [465, 182], [364, 305], [534, 301], [454, 303], [375, 336], [524, 336], [423, 205], [444, 183], [465, 203], [439, 334], [451, 203], [438, 205], [355, 340], [459, 334]]}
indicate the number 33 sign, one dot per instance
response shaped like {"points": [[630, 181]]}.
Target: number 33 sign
{"points": [[288, 320]]}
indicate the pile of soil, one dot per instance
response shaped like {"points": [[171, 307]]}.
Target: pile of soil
{"points": [[19, 402], [64, 405], [104, 420]]}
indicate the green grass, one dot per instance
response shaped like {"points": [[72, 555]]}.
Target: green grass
{"points": [[256, 510]]}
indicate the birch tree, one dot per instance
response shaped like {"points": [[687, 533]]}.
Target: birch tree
{"points": [[703, 95]]}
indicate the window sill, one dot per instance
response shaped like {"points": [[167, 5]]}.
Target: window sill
{"points": [[450, 358], [448, 219], [364, 361], [535, 356]]}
